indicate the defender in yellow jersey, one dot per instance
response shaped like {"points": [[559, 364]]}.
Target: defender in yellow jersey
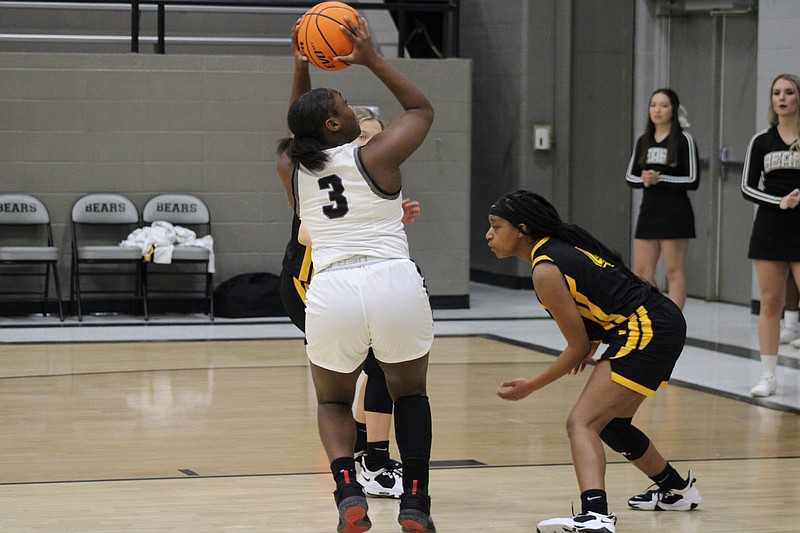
{"points": [[644, 336], [594, 298]]}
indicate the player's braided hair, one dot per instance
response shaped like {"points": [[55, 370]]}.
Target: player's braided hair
{"points": [[542, 220], [306, 118]]}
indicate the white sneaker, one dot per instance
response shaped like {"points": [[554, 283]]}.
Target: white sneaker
{"points": [[358, 456], [795, 343], [766, 386], [385, 483], [789, 334], [684, 499], [583, 523]]}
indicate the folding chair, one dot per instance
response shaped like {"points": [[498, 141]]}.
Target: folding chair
{"points": [[99, 223], [32, 240], [191, 213]]}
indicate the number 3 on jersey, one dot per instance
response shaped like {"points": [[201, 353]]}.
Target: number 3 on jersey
{"points": [[339, 208]]}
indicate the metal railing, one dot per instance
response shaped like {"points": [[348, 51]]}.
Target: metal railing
{"points": [[402, 11]]}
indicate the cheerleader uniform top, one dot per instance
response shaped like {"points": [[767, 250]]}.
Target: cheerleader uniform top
{"points": [[771, 171], [666, 212]]}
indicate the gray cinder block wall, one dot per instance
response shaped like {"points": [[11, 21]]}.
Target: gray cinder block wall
{"points": [[139, 125], [563, 64]]}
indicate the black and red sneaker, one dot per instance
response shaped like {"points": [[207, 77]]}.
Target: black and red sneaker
{"points": [[415, 514], [352, 506]]}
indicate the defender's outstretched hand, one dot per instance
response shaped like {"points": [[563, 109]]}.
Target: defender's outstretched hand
{"points": [[516, 389], [411, 211]]}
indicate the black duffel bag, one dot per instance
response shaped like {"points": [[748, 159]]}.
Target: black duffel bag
{"points": [[249, 295]]}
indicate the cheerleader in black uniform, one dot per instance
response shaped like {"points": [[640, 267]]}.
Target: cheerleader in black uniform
{"points": [[665, 163], [595, 299], [771, 179]]}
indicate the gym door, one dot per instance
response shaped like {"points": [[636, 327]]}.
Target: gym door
{"points": [[712, 67]]}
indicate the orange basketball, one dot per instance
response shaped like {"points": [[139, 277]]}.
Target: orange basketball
{"points": [[321, 39]]}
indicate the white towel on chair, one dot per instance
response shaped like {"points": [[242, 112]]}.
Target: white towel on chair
{"points": [[161, 238]]}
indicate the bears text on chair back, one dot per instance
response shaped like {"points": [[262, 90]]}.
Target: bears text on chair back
{"points": [[27, 248], [191, 253], [100, 222]]}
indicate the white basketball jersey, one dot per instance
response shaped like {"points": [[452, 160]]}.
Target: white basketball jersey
{"points": [[346, 213]]}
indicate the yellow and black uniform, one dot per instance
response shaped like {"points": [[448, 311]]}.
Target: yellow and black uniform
{"points": [[644, 330], [295, 277]]}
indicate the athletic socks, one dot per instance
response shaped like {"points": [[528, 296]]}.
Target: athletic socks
{"points": [[412, 424], [361, 438], [768, 364], [377, 455], [344, 473], [595, 501], [669, 479], [790, 319]]}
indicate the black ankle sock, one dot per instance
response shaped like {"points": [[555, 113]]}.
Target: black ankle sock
{"points": [[669, 479], [361, 438], [594, 500], [377, 455], [344, 473]]}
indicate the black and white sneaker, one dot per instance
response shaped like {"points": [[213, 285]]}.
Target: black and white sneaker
{"points": [[383, 483], [359, 459], [415, 514], [583, 523], [684, 499]]}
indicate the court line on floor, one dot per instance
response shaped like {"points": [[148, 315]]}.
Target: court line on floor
{"points": [[470, 466]]}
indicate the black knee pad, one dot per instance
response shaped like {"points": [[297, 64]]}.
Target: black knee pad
{"points": [[625, 438], [376, 395]]}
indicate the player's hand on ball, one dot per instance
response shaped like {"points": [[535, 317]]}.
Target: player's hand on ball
{"points": [[299, 58], [363, 49], [516, 389]]}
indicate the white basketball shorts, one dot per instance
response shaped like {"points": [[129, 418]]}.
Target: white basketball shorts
{"points": [[382, 304]]}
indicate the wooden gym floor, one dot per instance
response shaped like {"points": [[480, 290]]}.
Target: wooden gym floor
{"points": [[220, 436]]}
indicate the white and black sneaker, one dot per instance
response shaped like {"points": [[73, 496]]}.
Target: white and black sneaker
{"points": [[583, 523], [383, 483], [684, 499], [359, 459]]}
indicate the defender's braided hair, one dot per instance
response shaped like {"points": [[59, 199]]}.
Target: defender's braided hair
{"points": [[541, 220]]}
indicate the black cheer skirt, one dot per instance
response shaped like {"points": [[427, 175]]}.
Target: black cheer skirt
{"points": [[776, 235]]}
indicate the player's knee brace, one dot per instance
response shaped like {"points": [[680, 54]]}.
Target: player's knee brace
{"points": [[376, 396], [625, 438]]}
